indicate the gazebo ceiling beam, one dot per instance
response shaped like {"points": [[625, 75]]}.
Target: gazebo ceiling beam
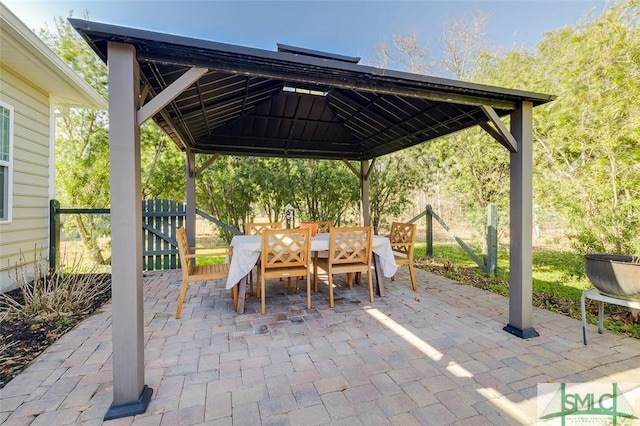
{"points": [[269, 141], [244, 151], [365, 115], [163, 98], [206, 164], [203, 109], [223, 101], [180, 135], [500, 132], [339, 80], [176, 135], [282, 118], [407, 122], [273, 147]]}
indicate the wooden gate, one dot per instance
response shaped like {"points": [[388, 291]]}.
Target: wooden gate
{"points": [[160, 220]]}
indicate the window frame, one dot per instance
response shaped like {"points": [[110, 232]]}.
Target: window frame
{"points": [[9, 166]]}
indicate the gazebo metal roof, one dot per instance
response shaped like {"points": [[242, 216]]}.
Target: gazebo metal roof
{"points": [[297, 102]]}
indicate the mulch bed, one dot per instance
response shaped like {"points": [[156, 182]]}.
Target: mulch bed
{"points": [[21, 341]]}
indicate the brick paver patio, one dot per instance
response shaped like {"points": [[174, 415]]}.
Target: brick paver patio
{"points": [[437, 356]]}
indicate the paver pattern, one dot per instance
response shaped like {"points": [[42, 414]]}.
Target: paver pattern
{"points": [[436, 356]]}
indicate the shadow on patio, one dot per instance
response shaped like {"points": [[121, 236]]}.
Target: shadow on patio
{"points": [[436, 356]]}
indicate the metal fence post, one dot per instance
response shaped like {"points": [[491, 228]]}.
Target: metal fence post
{"points": [[492, 239], [429, 231], [54, 233]]}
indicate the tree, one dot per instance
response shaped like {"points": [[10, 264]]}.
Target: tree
{"points": [[470, 167], [590, 135], [395, 179], [163, 170], [587, 141], [405, 53], [463, 41], [324, 190], [82, 141], [273, 180], [82, 146], [227, 190]]}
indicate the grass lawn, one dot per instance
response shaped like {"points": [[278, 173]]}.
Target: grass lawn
{"points": [[215, 260], [558, 281]]}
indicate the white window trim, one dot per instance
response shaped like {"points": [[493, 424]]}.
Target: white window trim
{"points": [[9, 164]]}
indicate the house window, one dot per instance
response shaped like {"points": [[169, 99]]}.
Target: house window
{"points": [[6, 146]]}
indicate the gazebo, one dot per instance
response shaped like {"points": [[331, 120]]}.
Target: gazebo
{"points": [[213, 98]]}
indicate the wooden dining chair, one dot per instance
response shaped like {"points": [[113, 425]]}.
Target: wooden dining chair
{"points": [[256, 228], [285, 254], [403, 238], [324, 226], [193, 273], [349, 252]]}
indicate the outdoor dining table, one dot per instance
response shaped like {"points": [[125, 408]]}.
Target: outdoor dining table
{"points": [[247, 248]]}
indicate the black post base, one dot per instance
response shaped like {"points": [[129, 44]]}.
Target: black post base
{"points": [[131, 408], [527, 333]]}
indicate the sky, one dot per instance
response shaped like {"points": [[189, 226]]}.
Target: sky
{"points": [[351, 28]]}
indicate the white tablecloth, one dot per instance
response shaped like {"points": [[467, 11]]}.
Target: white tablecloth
{"points": [[247, 248]]}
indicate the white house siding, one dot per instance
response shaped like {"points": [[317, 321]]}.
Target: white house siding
{"points": [[29, 227]]}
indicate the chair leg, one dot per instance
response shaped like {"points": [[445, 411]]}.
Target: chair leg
{"points": [[412, 273], [330, 290], [183, 293], [308, 290], [234, 296], [251, 282], [370, 284], [263, 296], [350, 280], [315, 277], [314, 264]]}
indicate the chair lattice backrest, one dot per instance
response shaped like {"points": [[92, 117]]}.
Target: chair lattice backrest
{"points": [[256, 228], [324, 227], [402, 238], [284, 248], [350, 244]]}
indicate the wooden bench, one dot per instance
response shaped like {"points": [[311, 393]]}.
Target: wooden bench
{"points": [[193, 273]]}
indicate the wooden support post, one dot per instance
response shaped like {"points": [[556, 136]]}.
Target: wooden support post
{"points": [[130, 395], [429, 231], [492, 239], [190, 208], [521, 220], [365, 214]]}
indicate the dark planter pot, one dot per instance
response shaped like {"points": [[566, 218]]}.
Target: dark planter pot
{"points": [[615, 275]]}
